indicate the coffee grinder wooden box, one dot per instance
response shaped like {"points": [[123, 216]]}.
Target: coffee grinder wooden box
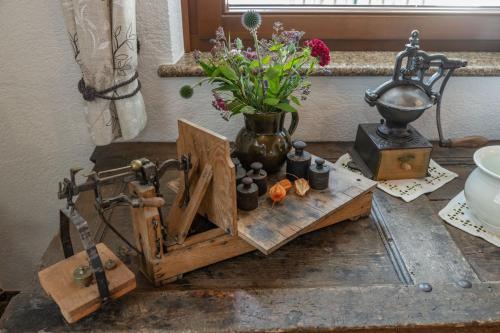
{"points": [[390, 159]]}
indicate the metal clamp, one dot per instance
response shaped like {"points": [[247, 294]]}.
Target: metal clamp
{"points": [[71, 215]]}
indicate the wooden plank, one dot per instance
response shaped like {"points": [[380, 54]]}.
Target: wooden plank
{"points": [[447, 308], [213, 247], [180, 218], [483, 257], [147, 228], [219, 203], [429, 253], [77, 302], [270, 226]]}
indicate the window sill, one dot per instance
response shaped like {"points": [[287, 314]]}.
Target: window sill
{"points": [[359, 63]]}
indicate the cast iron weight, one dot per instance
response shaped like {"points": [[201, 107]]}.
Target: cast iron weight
{"points": [[247, 194], [298, 161], [239, 170], [259, 176], [319, 175]]}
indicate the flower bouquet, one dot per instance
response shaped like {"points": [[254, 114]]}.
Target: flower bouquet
{"points": [[263, 82]]}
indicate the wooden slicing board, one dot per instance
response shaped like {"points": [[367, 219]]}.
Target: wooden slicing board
{"points": [[269, 227], [77, 302]]}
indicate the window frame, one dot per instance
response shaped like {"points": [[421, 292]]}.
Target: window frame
{"points": [[354, 29]]}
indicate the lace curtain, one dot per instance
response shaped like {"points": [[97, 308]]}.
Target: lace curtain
{"points": [[104, 41]]}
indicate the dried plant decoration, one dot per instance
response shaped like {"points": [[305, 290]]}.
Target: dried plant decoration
{"points": [[277, 193], [286, 184], [301, 187]]}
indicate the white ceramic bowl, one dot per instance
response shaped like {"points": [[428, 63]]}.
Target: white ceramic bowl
{"points": [[482, 188]]}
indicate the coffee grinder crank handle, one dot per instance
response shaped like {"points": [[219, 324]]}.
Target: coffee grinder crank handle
{"points": [[473, 141]]}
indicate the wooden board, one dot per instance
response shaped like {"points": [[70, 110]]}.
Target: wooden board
{"points": [[214, 245], [210, 148], [77, 302], [270, 226], [338, 279]]}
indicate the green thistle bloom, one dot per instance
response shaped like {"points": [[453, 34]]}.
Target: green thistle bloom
{"points": [[251, 20], [186, 91]]}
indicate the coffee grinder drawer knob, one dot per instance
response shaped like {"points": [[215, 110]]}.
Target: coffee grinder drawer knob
{"points": [[406, 166]]}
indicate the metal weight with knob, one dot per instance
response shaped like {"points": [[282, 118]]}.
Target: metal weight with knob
{"points": [[247, 194], [259, 176], [319, 175], [298, 161]]}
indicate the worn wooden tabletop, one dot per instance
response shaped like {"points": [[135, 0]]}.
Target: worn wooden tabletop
{"points": [[353, 276]]}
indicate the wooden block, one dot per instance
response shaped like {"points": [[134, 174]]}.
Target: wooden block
{"points": [[77, 302], [210, 148], [271, 226], [147, 228]]}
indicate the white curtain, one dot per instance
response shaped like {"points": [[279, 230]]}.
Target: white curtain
{"points": [[104, 41]]}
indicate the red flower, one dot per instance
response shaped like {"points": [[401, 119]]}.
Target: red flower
{"points": [[319, 50]]}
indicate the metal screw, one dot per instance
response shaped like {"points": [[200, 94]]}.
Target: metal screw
{"points": [[82, 275], [425, 287], [464, 283], [110, 264]]}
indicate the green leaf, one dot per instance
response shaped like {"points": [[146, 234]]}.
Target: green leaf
{"points": [[226, 87], [295, 99], [235, 106], [276, 47], [273, 72], [208, 69], [286, 107], [271, 101], [266, 59], [254, 64], [216, 72], [228, 72], [238, 43], [247, 109]]}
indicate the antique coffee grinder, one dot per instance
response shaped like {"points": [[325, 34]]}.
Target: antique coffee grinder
{"points": [[393, 149]]}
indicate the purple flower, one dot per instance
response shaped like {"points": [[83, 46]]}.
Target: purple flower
{"points": [[197, 55], [291, 36], [249, 54], [277, 27], [219, 34], [220, 104]]}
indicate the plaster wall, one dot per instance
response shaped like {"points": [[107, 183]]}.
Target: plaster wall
{"points": [[43, 132]]}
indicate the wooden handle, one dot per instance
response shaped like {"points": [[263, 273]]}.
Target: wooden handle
{"points": [[153, 202], [474, 141]]}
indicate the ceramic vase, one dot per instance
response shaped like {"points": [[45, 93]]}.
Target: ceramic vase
{"points": [[264, 139], [482, 188]]}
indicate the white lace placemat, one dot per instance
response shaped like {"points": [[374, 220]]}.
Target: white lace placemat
{"points": [[459, 215], [409, 189]]}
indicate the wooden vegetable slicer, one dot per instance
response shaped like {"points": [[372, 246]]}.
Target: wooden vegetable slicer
{"points": [[168, 247]]}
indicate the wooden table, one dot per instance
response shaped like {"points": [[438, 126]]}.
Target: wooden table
{"points": [[353, 276]]}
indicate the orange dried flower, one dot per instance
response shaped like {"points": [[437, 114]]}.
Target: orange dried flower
{"points": [[277, 193], [301, 186], [286, 184]]}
